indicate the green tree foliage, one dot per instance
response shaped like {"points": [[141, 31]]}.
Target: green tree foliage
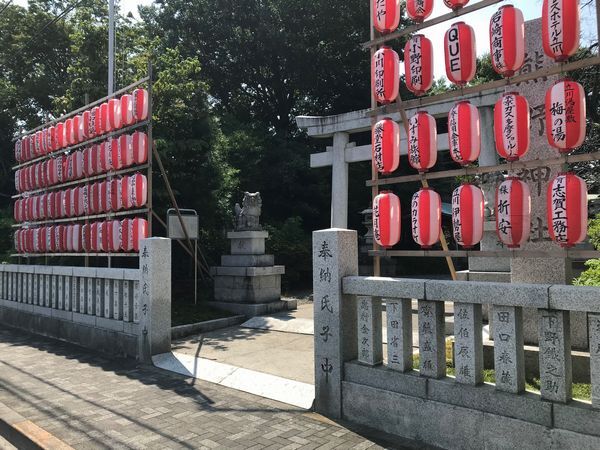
{"points": [[591, 276]]}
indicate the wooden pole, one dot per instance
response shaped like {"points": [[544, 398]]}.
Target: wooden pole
{"points": [[374, 173]]}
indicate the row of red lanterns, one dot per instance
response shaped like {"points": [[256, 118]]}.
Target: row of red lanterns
{"points": [[112, 115], [560, 35], [113, 154], [565, 125], [102, 197], [386, 13], [98, 237], [566, 214]]}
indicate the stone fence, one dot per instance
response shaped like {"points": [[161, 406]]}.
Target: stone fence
{"points": [[123, 312], [424, 404]]}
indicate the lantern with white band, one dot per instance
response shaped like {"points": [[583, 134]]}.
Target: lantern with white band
{"points": [[386, 145], [127, 117], [385, 76], [140, 104], [386, 15], [114, 114], [467, 215], [422, 141], [512, 126], [140, 147], [426, 217], [507, 40], [418, 64], [565, 115], [138, 190], [464, 133], [455, 4], [419, 10], [386, 219], [460, 53], [513, 212], [567, 210], [560, 28]]}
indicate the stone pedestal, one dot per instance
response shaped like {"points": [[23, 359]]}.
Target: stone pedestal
{"points": [[247, 281]]}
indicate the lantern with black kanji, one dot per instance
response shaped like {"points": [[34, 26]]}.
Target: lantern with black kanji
{"points": [[567, 210], [507, 40], [386, 146], [455, 4], [511, 126], [385, 76], [386, 15], [467, 215], [460, 53], [386, 219], [565, 115], [419, 10], [422, 141], [418, 64], [513, 212], [560, 28], [426, 217], [464, 134]]}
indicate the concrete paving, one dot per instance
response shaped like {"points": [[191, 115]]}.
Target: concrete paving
{"points": [[89, 401]]}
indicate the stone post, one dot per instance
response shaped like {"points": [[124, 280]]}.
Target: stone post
{"points": [[399, 334], [339, 181], [594, 320], [468, 347], [370, 346], [509, 357], [335, 256], [556, 375], [155, 297], [432, 348]]}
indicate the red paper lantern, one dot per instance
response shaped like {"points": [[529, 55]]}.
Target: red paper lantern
{"points": [[386, 15], [77, 158], [106, 196], [513, 212], [104, 123], [127, 110], [386, 219], [84, 200], [460, 53], [116, 194], [511, 126], [106, 231], [140, 104], [139, 231], [61, 135], [96, 121], [126, 149], [565, 115], [114, 114], [386, 146], [507, 40], [70, 132], [37, 143], [77, 121], [426, 217], [126, 235], [93, 198], [464, 134], [42, 239], [83, 132], [94, 237], [114, 235], [567, 210], [76, 238], [467, 215], [18, 150], [418, 64], [86, 241], [115, 159], [106, 156], [140, 147], [455, 4], [88, 161], [419, 10], [138, 190], [44, 141], [51, 139], [385, 76], [26, 148], [126, 199], [422, 141], [560, 28]]}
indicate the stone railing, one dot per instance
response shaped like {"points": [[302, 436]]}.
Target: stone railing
{"points": [[123, 312], [423, 403]]}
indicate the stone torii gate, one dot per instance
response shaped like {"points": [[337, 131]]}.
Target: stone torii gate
{"points": [[343, 151]]}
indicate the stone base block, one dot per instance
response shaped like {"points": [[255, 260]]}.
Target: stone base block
{"points": [[491, 277], [247, 242], [247, 260], [247, 289], [255, 309]]}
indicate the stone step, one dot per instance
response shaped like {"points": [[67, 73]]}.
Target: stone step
{"points": [[247, 260]]}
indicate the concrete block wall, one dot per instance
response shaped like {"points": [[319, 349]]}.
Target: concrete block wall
{"points": [[99, 308], [426, 405]]}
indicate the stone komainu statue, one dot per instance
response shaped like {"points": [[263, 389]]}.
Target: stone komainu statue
{"points": [[247, 217]]}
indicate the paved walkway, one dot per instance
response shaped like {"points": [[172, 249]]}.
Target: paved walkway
{"points": [[88, 401]]}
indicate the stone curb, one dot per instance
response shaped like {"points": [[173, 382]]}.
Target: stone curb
{"points": [[203, 327], [24, 434]]}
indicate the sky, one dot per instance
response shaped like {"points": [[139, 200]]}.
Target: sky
{"points": [[479, 20]]}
